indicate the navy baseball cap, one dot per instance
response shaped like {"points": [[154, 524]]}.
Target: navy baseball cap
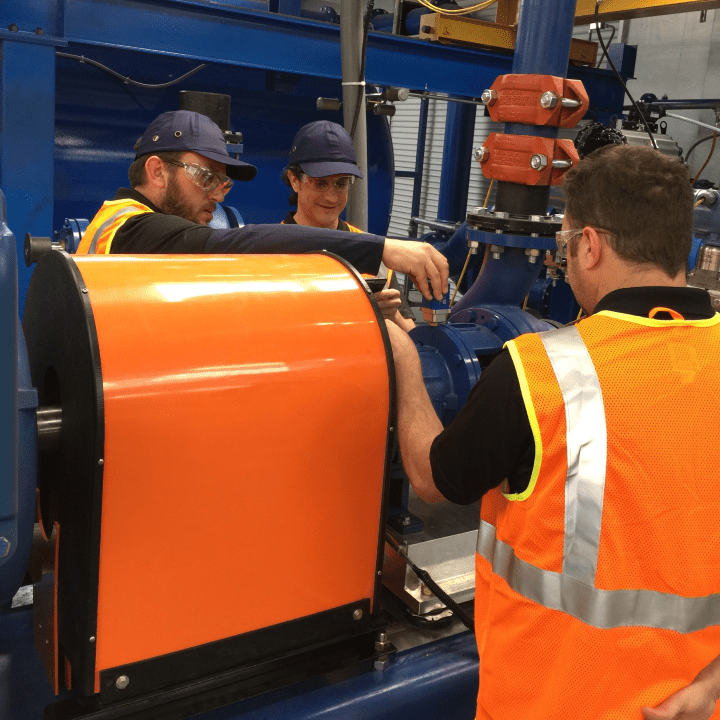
{"points": [[184, 130], [323, 148]]}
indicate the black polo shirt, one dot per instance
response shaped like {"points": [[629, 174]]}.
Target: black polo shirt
{"points": [[157, 232], [490, 438]]}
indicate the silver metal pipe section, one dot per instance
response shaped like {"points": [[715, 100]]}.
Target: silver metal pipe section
{"points": [[445, 98], [434, 224], [351, 36], [49, 425]]}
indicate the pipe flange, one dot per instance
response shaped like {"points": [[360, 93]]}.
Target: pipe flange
{"points": [[502, 222]]}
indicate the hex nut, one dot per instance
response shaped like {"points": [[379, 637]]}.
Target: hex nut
{"points": [[548, 100], [489, 97], [481, 154], [538, 162]]}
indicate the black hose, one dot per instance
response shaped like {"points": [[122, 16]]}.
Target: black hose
{"points": [[612, 35], [127, 80], [612, 65], [694, 145]]}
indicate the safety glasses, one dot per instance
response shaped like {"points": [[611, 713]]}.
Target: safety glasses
{"points": [[203, 177], [341, 183], [563, 237]]}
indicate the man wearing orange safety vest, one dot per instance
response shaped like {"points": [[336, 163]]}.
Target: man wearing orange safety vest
{"points": [[182, 169], [595, 451], [322, 166]]}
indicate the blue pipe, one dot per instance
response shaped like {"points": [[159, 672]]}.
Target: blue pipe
{"points": [[457, 156], [543, 37], [542, 48]]}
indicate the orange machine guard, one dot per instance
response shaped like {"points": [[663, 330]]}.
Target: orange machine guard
{"points": [[247, 404]]}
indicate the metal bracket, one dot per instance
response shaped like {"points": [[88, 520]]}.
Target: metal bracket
{"points": [[536, 100], [527, 160]]}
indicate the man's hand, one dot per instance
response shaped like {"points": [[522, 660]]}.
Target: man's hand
{"points": [[419, 261], [695, 701], [388, 301]]}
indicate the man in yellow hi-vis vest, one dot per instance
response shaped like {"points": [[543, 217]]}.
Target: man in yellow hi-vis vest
{"points": [[182, 169], [595, 451]]}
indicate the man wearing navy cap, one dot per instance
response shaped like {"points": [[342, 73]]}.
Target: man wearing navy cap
{"points": [[182, 170], [321, 167]]}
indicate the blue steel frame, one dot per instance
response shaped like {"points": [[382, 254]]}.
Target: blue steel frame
{"points": [[457, 157]]}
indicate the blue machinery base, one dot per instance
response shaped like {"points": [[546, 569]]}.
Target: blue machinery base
{"points": [[436, 680]]}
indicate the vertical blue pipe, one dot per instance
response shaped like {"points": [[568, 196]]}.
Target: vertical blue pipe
{"points": [[419, 162], [457, 156], [542, 48], [543, 37]]}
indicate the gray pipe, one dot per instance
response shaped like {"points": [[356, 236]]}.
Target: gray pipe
{"points": [[351, 34]]}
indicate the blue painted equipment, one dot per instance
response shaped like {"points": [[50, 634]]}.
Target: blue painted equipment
{"points": [[18, 438], [70, 234]]}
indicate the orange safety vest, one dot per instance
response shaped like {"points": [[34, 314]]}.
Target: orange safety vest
{"points": [[99, 235], [598, 587]]}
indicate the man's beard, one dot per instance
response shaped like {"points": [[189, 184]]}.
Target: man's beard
{"points": [[173, 203]]}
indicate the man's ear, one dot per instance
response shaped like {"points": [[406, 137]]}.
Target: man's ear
{"points": [[294, 181], [591, 247], [156, 171]]}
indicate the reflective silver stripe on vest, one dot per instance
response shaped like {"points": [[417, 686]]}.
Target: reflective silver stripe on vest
{"points": [[107, 224], [573, 591], [586, 450], [598, 608]]}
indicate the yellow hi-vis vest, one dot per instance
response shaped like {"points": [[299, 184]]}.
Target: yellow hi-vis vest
{"points": [[598, 587], [109, 218]]}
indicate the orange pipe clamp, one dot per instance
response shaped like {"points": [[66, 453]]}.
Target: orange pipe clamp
{"points": [[536, 100], [527, 160]]}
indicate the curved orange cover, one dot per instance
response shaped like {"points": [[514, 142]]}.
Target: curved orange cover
{"points": [[246, 412]]}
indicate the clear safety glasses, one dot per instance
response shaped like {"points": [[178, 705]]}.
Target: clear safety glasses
{"points": [[203, 177], [341, 183], [563, 237]]}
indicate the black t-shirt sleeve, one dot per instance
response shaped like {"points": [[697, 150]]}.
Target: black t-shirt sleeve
{"points": [[159, 233], [489, 440]]}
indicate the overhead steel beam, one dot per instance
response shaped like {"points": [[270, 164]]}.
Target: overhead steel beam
{"points": [[624, 9], [231, 35]]}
